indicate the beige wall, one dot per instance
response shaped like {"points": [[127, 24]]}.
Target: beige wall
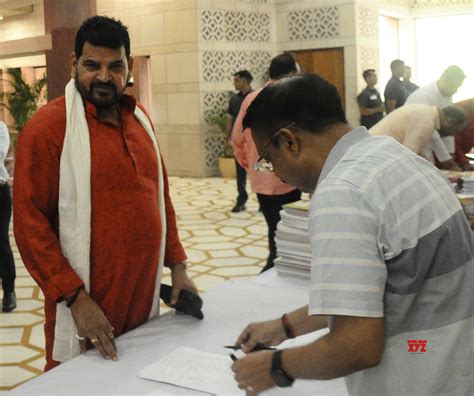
{"points": [[194, 47], [20, 27]]}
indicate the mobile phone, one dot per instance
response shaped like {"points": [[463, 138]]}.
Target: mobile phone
{"points": [[188, 302]]}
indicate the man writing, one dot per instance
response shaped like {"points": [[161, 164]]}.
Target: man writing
{"points": [[242, 81], [93, 220], [440, 94], [420, 128], [465, 139], [392, 256], [370, 104]]}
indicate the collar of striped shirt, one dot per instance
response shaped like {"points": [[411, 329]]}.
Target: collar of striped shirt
{"points": [[340, 149]]}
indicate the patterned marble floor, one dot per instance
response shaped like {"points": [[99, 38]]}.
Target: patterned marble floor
{"points": [[220, 245]]}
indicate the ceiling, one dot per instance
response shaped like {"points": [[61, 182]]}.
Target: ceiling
{"points": [[14, 8]]}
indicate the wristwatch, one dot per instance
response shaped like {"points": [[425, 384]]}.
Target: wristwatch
{"points": [[277, 373]]}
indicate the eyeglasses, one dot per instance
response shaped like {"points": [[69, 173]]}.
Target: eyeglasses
{"points": [[263, 165]]}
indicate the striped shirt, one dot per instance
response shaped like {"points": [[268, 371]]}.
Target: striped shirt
{"points": [[389, 239]]}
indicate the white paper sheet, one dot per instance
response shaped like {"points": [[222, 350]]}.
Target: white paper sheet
{"points": [[194, 369]]}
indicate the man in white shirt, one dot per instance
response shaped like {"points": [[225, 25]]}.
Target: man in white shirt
{"points": [[7, 264], [420, 127], [440, 94]]}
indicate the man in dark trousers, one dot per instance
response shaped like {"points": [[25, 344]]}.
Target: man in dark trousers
{"points": [[395, 93], [370, 104], [242, 81], [7, 264]]}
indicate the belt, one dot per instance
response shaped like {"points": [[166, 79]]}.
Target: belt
{"points": [[3, 182]]}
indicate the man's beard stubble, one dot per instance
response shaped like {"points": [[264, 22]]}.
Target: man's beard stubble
{"points": [[98, 101]]}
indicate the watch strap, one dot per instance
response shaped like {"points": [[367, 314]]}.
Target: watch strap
{"points": [[278, 368]]}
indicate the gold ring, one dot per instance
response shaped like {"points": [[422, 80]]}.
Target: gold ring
{"points": [[111, 336], [80, 338], [94, 340]]}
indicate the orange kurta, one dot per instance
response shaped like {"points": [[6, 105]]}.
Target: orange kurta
{"points": [[126, 225]]}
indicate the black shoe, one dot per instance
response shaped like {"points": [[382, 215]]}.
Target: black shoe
{"points": [[9, 302], [238, 208]]}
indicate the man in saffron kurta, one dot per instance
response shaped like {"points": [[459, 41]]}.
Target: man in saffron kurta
{"points": [[125, 217]]}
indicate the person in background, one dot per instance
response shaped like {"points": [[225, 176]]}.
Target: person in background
{"points": [[465, 139], [420, 127], [395, 93], [409, 86], [392, 263], [370, 104], [7, 263], [272, 192], [440, 94], [242, 83], [93, 219]]}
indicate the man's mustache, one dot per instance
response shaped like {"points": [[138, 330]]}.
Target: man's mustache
{"points": [[104, 86]]}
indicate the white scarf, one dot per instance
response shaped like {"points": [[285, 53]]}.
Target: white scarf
{"points": [[75, 214]]}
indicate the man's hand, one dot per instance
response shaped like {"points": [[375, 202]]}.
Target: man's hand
{"points": [[180, 280], [268, 333], [91, 323], [450, 165], [252, 372]]}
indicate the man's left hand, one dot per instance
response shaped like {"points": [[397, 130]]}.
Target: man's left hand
{"points": [[180, 280], [252, 372]]}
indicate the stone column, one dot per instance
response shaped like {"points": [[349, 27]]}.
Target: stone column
{"points": [[62, 19]]}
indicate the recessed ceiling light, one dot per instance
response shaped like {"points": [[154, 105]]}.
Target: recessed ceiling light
{"points": [[1, 17]]}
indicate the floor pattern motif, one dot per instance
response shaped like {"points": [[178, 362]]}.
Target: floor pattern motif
{"points": [[220, 245]]}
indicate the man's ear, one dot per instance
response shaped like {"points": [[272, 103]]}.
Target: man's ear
{"points": [[290, 141], [74, 61], [130, 62]]}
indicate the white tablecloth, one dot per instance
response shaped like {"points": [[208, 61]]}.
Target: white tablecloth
{"points": [[228, 308]]}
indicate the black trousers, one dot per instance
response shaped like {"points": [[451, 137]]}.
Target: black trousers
{"points": [[271, 206], [241, 181], [7, 264]]}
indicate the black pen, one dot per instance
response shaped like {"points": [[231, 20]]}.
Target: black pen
{"points": [[258, 347]]}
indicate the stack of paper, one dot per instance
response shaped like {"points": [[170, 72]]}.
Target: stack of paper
{"points": [[292, 241], [467, 184]]}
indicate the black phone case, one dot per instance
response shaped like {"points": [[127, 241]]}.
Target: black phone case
{"points": [[188, 302]]}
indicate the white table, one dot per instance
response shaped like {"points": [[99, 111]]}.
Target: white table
{"points": [[228, 308]]}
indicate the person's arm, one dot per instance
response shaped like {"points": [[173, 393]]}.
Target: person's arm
{"points": [[273, 332], [365, 111], [239, 136], [439, 148], [35, 199], [353, 344], [4, 142], [390, 105], [460, 155], [175, 256], [229, 124]]}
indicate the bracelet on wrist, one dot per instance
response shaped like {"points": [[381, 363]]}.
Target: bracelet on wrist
{"points": [[73, 298], [287, 327]]}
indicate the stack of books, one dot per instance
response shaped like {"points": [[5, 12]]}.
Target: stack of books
{"points": [[292, 241], [468, 183]]}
